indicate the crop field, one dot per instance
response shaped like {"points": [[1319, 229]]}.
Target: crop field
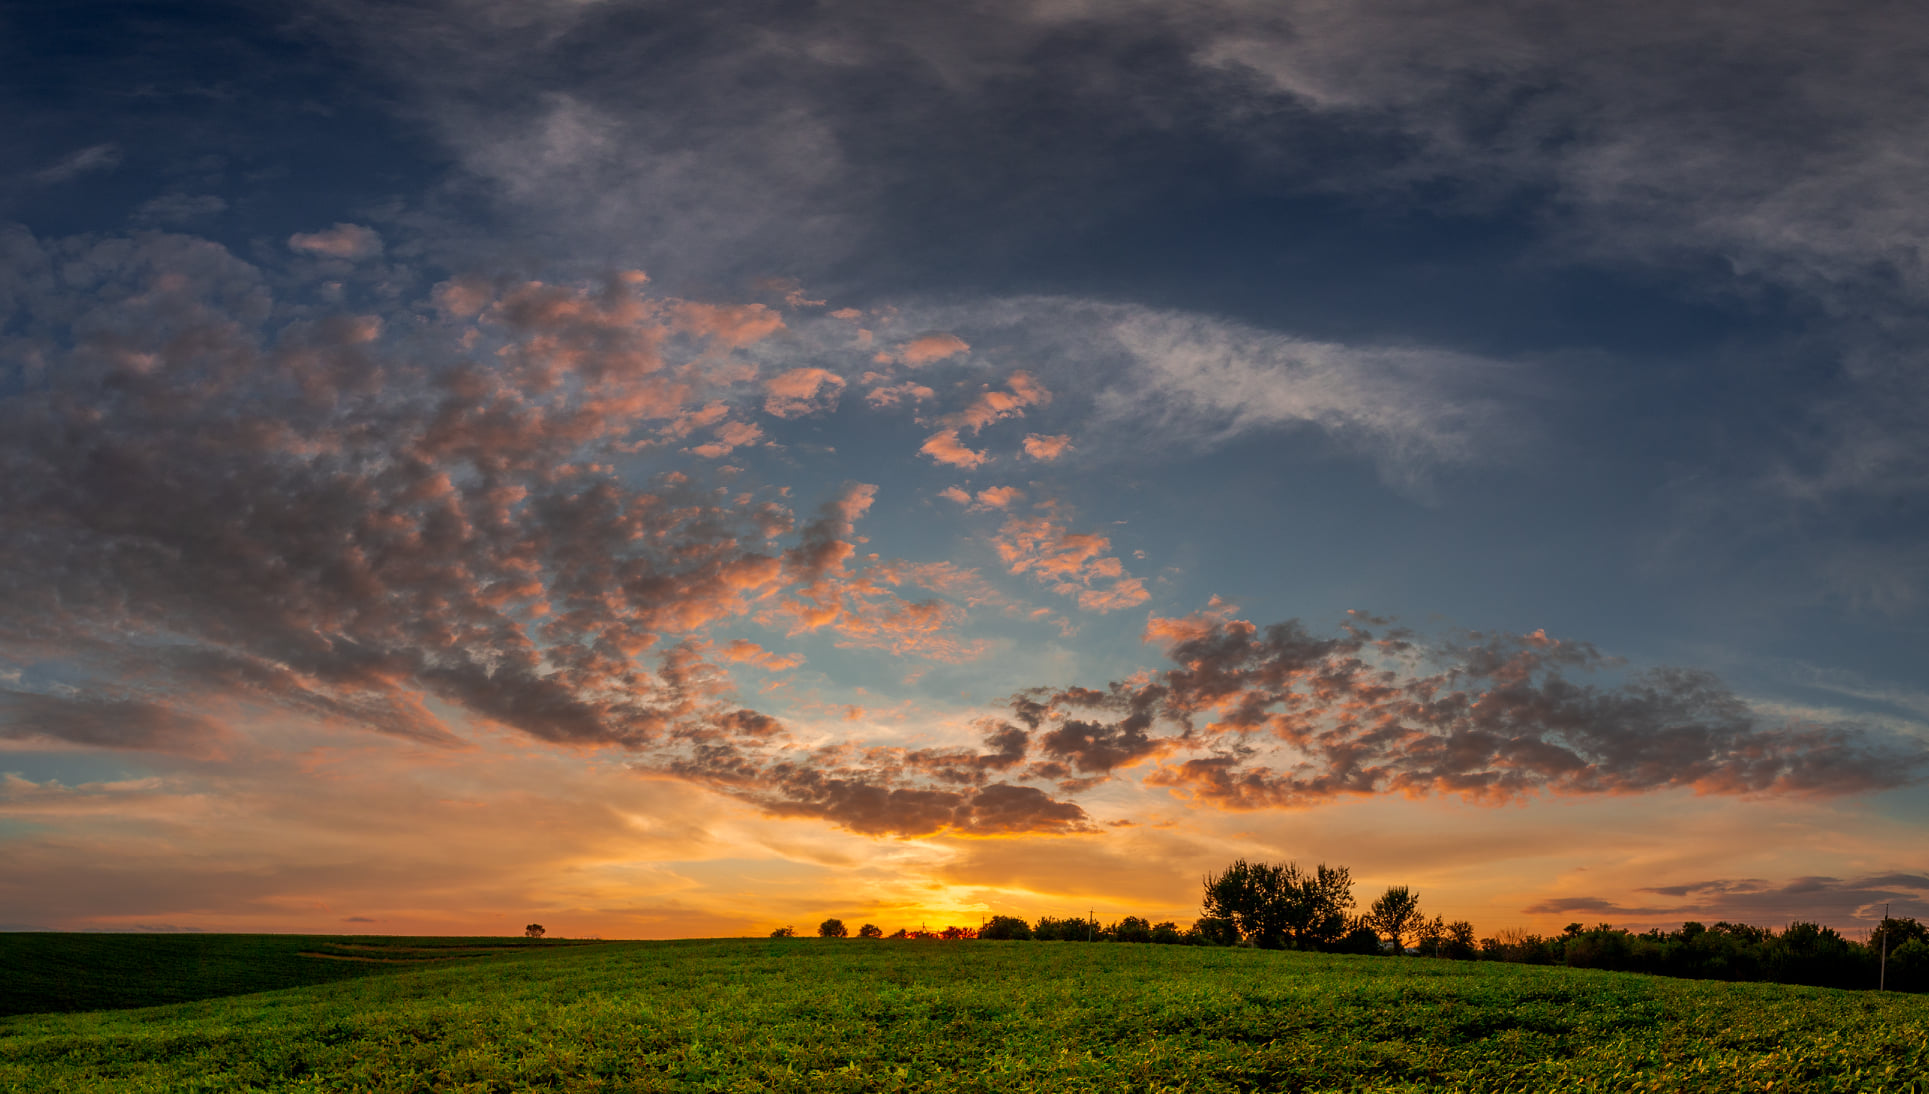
{"points": [[68, 972], [811, 1015]]}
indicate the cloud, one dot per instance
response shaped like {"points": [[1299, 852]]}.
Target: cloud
{"points": [[97, 157], [351, 241], [889, 395], [728, 438], [945, 446], [292, 516], [1069, 563], [1200, 381], [1298, 719], [177, 208], [802, 391], [1047, 448], [931, 347], [106, 722], [1753, 900]]}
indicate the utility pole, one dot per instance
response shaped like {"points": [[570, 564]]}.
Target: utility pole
{"points": [[1882, 976]]}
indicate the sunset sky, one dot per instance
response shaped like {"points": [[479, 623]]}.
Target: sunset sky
{"points": [[669, 470]]}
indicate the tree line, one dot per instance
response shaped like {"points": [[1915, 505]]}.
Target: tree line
{"points": [[1282, 906]]}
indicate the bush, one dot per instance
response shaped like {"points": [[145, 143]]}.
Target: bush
{"points": [[832, 928], [784, 932], [870, 930]]}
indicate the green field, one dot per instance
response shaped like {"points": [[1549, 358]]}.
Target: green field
{"points": [[809, 1015], [67, 972]]}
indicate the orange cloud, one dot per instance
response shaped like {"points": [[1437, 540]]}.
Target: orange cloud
{"points": [[946, 446], [1047, 448], [931, 347], [742, 651], [891, 395], [1069, 563], [802, 391]]}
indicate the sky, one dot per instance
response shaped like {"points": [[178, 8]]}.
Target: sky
{"points": [[679, 470]]}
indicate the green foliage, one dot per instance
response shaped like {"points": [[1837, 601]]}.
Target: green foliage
{"points": [[1065, 930], [1005, 1016], [1006, 928], [68, 972], [1277, 904], [832, 928], [1396, 914]]}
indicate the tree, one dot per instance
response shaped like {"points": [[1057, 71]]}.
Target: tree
{"points": [[1271, 904], [870, 930], [534, 930], [831, 928], [784, 932], [1396, 915], [1007, 928]]}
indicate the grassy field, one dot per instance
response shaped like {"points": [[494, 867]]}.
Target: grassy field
{"points": [[69, 972], [811, 1015]]}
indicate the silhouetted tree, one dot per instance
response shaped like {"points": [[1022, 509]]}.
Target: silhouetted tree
{"points": [[1006, 928], [784, 932], [534, 930], [1396, 914], [1131, 929], [1216, 930], [870, 930], [1360, 938], [1272, 904], [831, 928]]}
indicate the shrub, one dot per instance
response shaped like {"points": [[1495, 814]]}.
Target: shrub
{"points": [[784, 932], [870, 930], [832, 928]]}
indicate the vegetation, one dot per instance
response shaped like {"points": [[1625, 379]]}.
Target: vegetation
{"points": [[756, 1015], [831, 928], [72, 972], [1281, 906]]}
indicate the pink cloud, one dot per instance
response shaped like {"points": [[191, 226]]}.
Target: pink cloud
{"points": [[727, 325], [1046, 448], [350, 241], [729, 437], [802, 391], [890, 395], [931, 347], [957, 494]]}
